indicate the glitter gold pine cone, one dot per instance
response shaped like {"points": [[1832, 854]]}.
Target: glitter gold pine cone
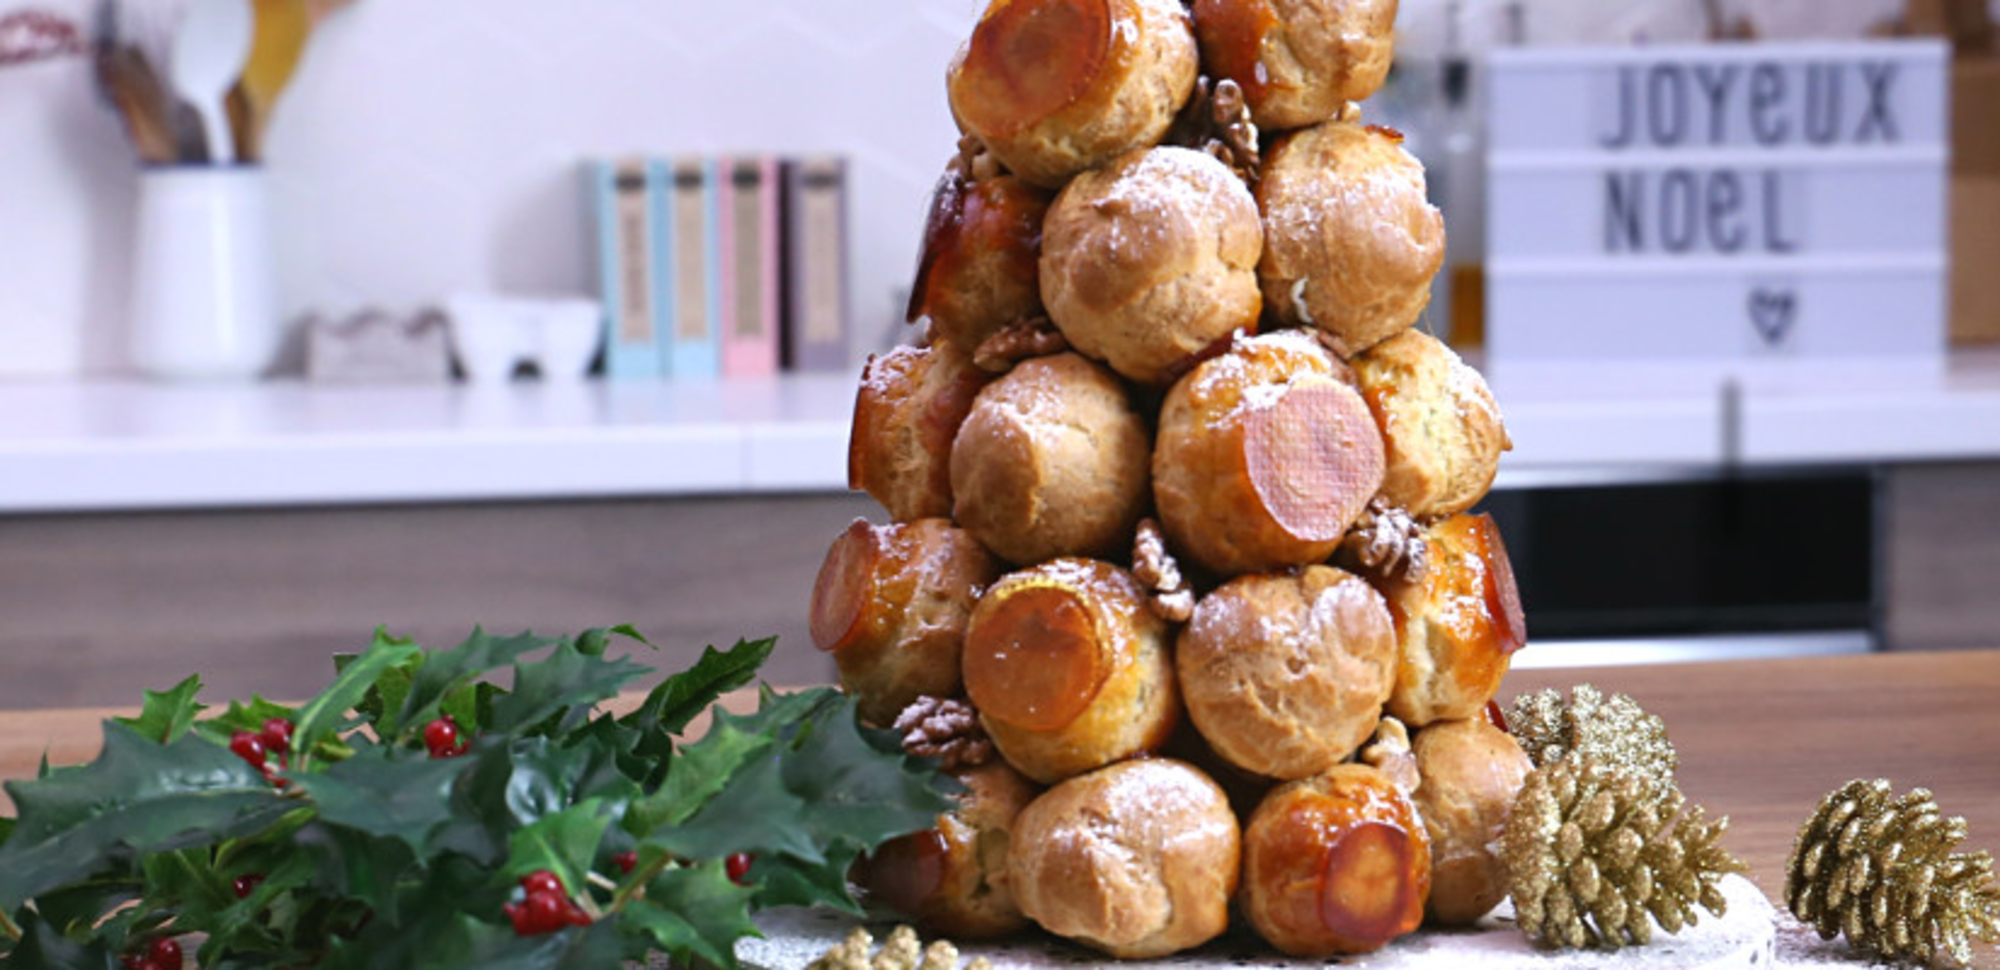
{"points": [[1880, 870], [1612, 730], [1596, 856]]}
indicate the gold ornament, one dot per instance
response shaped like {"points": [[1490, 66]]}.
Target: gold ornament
{"points": [[1613, 731], [902, 951], [1594, 856], [1881, 870]]}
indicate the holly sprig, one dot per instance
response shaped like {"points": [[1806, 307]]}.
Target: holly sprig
{"points": [[349, 837]]}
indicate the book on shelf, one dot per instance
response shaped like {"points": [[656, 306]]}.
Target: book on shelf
{"points": [[622, 191], [722, 266], [814, 320], [750, 267], [691, 262]]}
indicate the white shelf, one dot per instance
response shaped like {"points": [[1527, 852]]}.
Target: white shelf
{"points": [[110, 446], [131, 446]]}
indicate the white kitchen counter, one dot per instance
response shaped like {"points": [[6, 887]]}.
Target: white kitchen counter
{"points": [[128, 446]]}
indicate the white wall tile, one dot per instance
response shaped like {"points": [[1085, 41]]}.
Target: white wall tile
{"points": [[432, 145], [428, 146]]}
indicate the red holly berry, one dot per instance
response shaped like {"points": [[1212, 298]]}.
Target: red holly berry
{"points": [[166, 953], [542, 881], [626, 862], [738, 866], [133, 961], [246, 884], [277, 735], [543, 910], [248, 747], [441, 737]]}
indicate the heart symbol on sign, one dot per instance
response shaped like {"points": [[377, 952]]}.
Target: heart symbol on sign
{"points": [[1772, 313]]}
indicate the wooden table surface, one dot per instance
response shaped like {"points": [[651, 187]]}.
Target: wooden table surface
{"points": [[1759, 740]]}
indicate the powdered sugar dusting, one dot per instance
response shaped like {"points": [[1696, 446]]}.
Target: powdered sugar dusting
{"points": [[1746, 937]]}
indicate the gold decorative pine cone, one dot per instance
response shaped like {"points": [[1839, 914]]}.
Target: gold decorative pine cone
{"points": [[1880, 870], [1595, 856], [1613, 731]]}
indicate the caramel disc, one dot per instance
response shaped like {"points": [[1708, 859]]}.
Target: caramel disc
{"points": [[845, 587], [1029, 59], [1032, 660], [1315, 458], [1366, 895]]}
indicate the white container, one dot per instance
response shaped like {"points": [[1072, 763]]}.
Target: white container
{"points": [[493, 335], [204, 305]]}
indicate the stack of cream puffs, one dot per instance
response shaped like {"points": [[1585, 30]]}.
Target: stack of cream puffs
{"points": [[1131, 333]]}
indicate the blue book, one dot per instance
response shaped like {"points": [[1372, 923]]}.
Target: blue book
{"points": [[691, 267], [624, 193]]}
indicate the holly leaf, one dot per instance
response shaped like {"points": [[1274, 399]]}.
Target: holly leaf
{"points": [[447, 670], [596, 640], [694, 913], [43, 947], [352, 863], [82, 905], [137, 796], [566, 680], [701, 770], [406, 798], [863, 790], [167, 714], [680, 698], [236, 922], [321, 716], [385, 697], [753, 813], [564, 843], [785, 881], [469, 942]]}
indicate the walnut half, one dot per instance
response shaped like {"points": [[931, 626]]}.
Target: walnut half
{"points": [[945, 729]]}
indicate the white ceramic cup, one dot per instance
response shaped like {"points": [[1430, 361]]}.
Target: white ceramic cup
{"points": [[492, 335], [203, 300]]}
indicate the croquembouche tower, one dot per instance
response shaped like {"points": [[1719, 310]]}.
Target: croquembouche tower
{"points": [[1178, 575]]}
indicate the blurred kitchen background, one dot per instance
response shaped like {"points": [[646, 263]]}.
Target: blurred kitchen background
{"points": [[426, 156]]}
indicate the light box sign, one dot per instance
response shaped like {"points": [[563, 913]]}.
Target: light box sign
{"points": [[1720, 205]]}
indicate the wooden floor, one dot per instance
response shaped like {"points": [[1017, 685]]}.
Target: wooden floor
{"points": [[96, 608]]}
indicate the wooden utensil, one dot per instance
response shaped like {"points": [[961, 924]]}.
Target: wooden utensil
{"points": [[282, 29], [210, 47], [128, 80]]}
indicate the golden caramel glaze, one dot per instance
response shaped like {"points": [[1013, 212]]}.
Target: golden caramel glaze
{"points": [[1263, 457], [1470, 773], [1458, 627], [891, 603], [1232, 35], [1285, 673], [1440, 426], [1299, 62], [1351, 240], [1138, 859], [1335, 863], [952, 880], [1070, 668], [1051, 461], [1150, 260], [907, 410], [1054, 87], [981, 244]]}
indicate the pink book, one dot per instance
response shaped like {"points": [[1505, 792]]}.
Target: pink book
{"points": [[750, 248]]}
